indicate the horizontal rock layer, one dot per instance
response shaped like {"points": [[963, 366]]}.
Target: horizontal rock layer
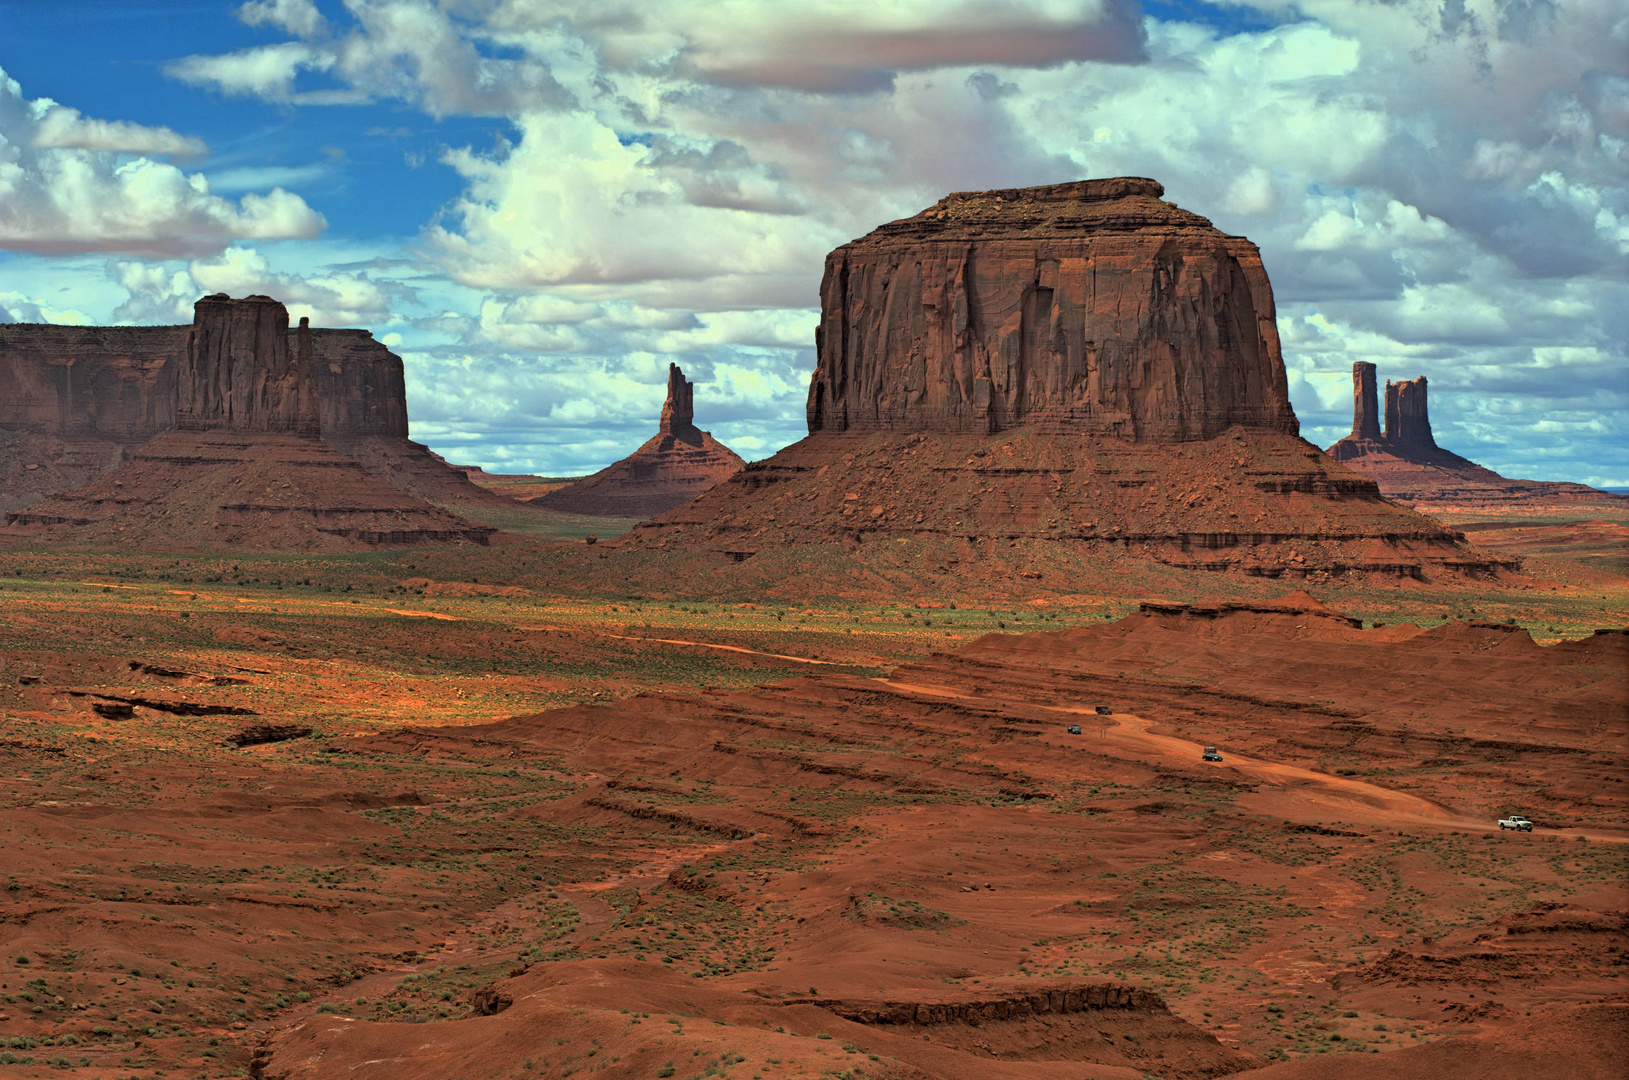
{"points": [[204, 491], [1260, 503], [1092, 307], [1041, 1001]]}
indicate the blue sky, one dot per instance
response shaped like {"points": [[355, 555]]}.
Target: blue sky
{"points": [[540, 203]]}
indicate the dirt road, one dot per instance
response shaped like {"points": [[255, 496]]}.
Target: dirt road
{"points": [[1337, 797]]}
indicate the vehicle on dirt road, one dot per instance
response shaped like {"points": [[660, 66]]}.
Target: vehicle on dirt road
{"points": [[1210, 754], [1517, 822], [1074, 729], [1103, 710]]}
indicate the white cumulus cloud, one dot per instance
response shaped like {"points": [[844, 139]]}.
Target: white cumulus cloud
{"points": [[68, 184]]}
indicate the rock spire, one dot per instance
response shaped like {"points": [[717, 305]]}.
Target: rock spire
{"points": [[1409, 467], [1408, 422], [679, 410], [669, 470], [1365, 405]]}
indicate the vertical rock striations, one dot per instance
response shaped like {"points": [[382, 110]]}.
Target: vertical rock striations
{"points": [[239, 373], [1365, 405], [668, 471], [1408, 422], [1092, 307]]}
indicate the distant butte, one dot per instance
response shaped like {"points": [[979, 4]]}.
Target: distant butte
{"points": [[77, 402], [669, 470], [1054, 378], [1410, 468], [238, 460]]}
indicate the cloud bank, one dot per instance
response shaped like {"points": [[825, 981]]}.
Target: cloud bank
{"points": [[70, 184], [1437, 188]]}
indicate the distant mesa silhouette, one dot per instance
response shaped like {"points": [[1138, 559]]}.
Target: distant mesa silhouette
{"points": [[669, 470], [1409, 467]]}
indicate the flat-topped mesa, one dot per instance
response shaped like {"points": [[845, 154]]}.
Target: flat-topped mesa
{"points": [[1089, 307], [1408, 421], [239, 374], [679, 410]]}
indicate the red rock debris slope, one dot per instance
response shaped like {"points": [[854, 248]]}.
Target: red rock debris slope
{"points": [[669, 470], [1083, 365], [930, 876]]}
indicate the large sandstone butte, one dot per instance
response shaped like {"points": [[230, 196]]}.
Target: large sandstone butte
{"points": [[1408, 465], [669, 470], [1093, 307], [223, 439], [1074, 372]]}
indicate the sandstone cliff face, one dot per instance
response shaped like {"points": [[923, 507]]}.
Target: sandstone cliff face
{"points": [[668, 471], [77, 401], [1094, 307], [1365, 411], [112, 381], [239, 374], [361, 388]]}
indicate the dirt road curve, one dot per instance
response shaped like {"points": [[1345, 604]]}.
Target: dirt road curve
{"points": [[1354, 800], [697, 644]]}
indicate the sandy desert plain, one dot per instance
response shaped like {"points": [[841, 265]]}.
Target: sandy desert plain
{"points": [[880, 759], [539, 831]]}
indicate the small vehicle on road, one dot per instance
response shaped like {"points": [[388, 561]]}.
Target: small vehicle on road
{"points": [[1074, 729], [1517, 822], [1210, 754], [1103, 710]]}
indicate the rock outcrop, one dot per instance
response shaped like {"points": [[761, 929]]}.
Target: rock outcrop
{"points": [[1408, 420], [681, 462], [1092, 307], [239, 373], [223, 436], [1409, 467], [77, 401], [1038, 384], [1365, 411]]}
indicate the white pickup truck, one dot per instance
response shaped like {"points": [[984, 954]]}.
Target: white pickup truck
{"points": [[1517, 822]]}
